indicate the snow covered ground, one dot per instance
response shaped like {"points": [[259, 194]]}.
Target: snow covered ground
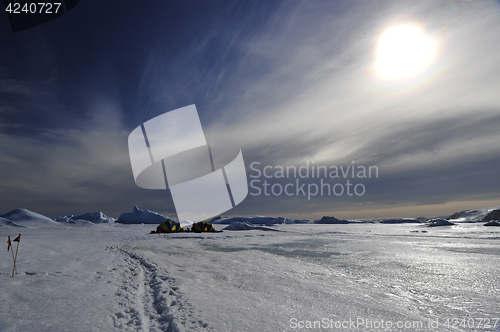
{"points": [[116, 277]]}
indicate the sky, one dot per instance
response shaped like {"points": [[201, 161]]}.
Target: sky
{"points": [[289, 82]]}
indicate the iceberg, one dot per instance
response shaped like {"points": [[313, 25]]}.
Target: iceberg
{"points": [[87, 218], [254, 220], [439, 222], [492, 223], [139, 216], [330, 220]]}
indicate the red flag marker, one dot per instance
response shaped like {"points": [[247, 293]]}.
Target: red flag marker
{"points": [[9, 244], [18, 239]]}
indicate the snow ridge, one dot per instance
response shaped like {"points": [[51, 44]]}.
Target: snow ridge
{"points": [[7, 222]]}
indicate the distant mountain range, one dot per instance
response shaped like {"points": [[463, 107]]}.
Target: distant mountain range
{"points": [[26, 218]]}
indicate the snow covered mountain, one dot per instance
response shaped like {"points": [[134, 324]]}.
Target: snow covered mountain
{"points": [[493, 215], [139, 216], [476, 215], [25, 217]]}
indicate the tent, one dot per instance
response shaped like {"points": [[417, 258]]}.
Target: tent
{"points": [[169, 226], [202, 226]]}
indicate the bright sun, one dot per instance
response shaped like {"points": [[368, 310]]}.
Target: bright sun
{"points": [[403, 51]]}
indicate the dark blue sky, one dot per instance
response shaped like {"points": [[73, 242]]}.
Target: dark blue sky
{"points": [[288, 81]]}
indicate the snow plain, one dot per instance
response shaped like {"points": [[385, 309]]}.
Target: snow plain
{"points": [[116, 277]]}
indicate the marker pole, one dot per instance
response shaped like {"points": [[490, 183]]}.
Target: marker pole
{"points": [[13, 259]]}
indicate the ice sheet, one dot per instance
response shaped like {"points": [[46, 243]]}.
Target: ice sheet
{"points": [[119, 277]]}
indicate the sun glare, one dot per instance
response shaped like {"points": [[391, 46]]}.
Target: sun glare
{"points": [[403, 51]]}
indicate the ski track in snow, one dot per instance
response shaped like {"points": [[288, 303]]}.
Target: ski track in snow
{"points": [[150, 299]]}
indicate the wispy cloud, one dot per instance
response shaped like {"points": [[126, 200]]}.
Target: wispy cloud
{"points": [[74, 169], [320, 102], [287, 81]]}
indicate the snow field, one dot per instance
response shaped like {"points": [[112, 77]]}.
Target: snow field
{"points": [[120, 278]]}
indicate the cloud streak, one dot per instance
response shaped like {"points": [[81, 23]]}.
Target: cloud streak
{"points": [[287, 81]]}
